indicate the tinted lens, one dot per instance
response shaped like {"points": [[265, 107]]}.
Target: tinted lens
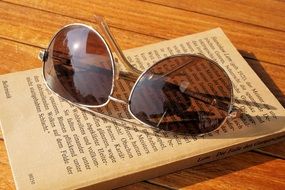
{"points": [[185, 94], [79, 66]]}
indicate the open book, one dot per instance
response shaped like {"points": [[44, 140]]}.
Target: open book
{"points": [[54, 145]]}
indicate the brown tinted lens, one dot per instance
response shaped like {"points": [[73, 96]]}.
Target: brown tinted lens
{"points": [[79, 66], [185, 94]]}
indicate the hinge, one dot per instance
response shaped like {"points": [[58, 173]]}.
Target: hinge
{"points": [[43, 55]]}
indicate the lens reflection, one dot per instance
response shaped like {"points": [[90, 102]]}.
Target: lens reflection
{"points": [[184, 94], [79, 66]]}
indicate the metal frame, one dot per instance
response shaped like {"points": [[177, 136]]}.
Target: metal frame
{"points": [[132, 74]]}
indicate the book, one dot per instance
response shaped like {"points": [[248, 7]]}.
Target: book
{"points": [[52, 144]]}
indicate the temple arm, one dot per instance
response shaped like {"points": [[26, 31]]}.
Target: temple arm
{"points": [[105, 29]]}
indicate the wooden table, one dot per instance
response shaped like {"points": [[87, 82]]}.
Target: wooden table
{"points": [[256, 28]]}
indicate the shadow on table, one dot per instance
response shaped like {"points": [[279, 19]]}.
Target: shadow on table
{"points": [[264, 76], [238, 171]]}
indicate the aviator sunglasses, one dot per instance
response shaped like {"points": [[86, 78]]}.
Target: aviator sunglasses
{"points": [[184, 93]]}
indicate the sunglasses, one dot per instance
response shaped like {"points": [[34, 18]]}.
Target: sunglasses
{"points": [[185, 93]]}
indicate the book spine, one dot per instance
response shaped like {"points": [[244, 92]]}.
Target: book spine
{"points": [[189, 162]]}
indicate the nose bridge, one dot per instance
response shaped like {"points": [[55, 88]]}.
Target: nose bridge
{"points": [[118, 100]]}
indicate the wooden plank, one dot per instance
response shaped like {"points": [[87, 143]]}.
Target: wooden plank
{"points": [[37, 30], [145, 18], [244, 171], [265, 13], [6, 179], [17, 57]]}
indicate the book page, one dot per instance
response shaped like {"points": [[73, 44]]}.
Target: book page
{"points": [[53, 144]]}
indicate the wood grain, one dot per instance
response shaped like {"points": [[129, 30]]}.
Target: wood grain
{"points": [[245, 171], [6, 179], [146, 18], [17, 57], [39, 29], [265, 13], [26, 26]]}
